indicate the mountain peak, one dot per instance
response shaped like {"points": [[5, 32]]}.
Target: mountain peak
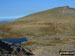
{"points": [[67, 6], [65, 10]]}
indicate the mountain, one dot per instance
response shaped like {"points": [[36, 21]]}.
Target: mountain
{"points": [[6, 21], [51, 26], [2, 21], [47, 31]]}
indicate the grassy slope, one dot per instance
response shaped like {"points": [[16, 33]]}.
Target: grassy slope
{"points": [[49, 26]]}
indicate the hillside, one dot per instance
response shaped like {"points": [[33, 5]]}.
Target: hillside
{"points": [[48, 30], [50, 23]]}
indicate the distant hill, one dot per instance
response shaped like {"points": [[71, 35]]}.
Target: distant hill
{"points": [[54, 25], [1, 22], [6, 21]]}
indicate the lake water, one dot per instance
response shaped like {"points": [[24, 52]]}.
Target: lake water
{"points": [[15, 40]]}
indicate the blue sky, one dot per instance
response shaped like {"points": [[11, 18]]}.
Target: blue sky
{"points": [[12, 9]]}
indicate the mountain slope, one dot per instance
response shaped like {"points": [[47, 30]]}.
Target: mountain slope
{"points": [[51, 26]]}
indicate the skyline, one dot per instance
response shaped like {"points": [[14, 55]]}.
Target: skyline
{"points": [[13, 9]]}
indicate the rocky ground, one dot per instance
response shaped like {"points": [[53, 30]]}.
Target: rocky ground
{"points": [[51, 50]]}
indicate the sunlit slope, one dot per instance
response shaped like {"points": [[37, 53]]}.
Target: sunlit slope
{"points": [[54, 25]]}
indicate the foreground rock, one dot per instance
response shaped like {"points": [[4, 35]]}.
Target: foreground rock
{"points": [[8, 49]]}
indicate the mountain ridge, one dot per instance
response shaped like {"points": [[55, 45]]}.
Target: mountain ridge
{"points": [[49, 12]]}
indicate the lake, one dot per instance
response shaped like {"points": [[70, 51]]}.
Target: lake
{"points": [[15, 40]]}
